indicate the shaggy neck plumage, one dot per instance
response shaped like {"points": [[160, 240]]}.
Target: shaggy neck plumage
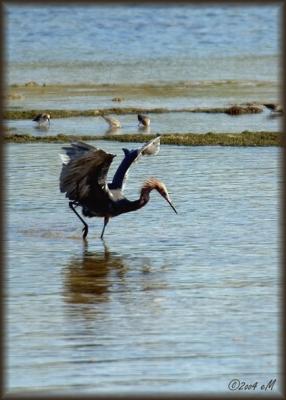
{"points": [[125, 205], [145, 195], [143, 199]]}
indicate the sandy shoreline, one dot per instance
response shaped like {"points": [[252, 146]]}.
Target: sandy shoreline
{"points": [[165, 95]]}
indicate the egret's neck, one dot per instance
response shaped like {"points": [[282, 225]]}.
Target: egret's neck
{"points": [[145, 194], [124, 205], [143, 199]]}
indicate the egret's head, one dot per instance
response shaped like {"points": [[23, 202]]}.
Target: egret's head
{"points": [[153, 183]]}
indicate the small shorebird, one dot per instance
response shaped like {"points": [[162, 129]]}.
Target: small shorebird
{"points": [[42, 119], [275, 108], [144, 120], [113, 123]]}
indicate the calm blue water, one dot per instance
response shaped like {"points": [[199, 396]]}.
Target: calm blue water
{"points": [[142, 43], [161, 123], [169, 302]]}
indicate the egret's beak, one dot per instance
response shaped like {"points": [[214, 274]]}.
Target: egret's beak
{"points": [[169, 201]]}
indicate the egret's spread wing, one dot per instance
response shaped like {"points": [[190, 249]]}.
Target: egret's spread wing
{"points": [[131, 156], [151, 148], [84, 171]]}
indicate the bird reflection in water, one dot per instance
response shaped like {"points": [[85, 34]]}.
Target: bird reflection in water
{"points": [[112, 131], [42, 128], [144, 129], [89, 278]]}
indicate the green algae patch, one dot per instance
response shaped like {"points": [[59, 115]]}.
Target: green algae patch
{"points": [[210, 139], [17, 138], [188, 139], [30, 114], [248, 109]]}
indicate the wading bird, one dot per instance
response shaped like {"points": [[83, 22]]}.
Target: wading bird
{"points": [[42, 119], [144, 120], [83, 179], [275, 108], [112, 122]]}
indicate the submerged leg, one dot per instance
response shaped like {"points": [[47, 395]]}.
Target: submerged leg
{"points": [[85, 228], [106, 219]]}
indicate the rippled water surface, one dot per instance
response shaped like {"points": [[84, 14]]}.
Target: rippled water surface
{"points": [[161, 123], [138, 43], [167, 303], [150, 56]]}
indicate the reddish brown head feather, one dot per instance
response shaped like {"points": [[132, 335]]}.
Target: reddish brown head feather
{"points": [[153, 183]]}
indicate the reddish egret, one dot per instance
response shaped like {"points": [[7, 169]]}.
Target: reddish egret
{"points": [[83, 179]]}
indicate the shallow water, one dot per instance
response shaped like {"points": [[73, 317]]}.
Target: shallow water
{"points": [[142, 43], [160, 123], [150, 56], [174, 96], [167, 303]]}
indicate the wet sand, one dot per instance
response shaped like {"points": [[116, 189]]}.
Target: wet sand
{"points": [[170, 106], [124, 98]]}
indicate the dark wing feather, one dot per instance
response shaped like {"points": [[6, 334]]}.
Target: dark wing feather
{"points": [[84, 171]]}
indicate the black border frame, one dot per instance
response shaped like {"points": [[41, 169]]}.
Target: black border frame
{"points": [[35, 396]]}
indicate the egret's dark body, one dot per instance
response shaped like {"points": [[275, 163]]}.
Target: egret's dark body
{"points": [[83, 179]]}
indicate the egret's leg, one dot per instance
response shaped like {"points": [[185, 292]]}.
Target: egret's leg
{"points": [[85, 228], [106, 219]]}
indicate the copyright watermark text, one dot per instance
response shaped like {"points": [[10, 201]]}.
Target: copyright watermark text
{"points": [[238, 385]]}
